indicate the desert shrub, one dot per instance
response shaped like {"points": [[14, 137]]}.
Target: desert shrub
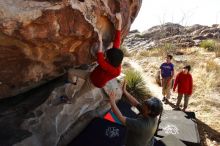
{"points": [[211, 45], [206, 79], [167, 48], [136, 85], [217, 50], [125, 51], [139, 35], [151, 52], [212, 66], [133, 53], [144, 53], [164, 49], [208, 44]]}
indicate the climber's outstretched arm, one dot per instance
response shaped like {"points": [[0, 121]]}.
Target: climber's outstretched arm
{"points": [[117, 40]]}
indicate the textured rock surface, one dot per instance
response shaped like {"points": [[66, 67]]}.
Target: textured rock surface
{"points": [[51, 125], [171, 33], [59, 124], [40, 38]]}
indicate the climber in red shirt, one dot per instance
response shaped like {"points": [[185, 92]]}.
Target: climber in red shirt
{"points": [[108, 67], [184, 82]]}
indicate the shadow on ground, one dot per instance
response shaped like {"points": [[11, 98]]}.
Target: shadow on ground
{"points": [[206, 131]]}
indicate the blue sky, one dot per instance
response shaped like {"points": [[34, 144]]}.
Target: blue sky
{"points": [[184, 12]]}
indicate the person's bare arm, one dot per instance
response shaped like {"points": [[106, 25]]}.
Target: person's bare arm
{"points": [[171, 78], [119, 21], [131, 98], [160, 73], [100, 45], [172, 74], [115, 109]]}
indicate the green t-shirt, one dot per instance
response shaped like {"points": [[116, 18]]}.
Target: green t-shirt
{"points": [[141, 131]]}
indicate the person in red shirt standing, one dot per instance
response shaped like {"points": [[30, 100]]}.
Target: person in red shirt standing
{"points": [[108, 67], [184, 82]]}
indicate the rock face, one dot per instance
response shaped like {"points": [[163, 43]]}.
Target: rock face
{"points": [[37, 120], [172, 33], [59, 124], [39, 39]]}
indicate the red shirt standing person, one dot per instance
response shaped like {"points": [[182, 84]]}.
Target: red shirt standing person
{"points": [[184, 82]]}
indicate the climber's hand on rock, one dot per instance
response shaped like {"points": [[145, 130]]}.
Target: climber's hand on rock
{"points": [[119, 21], [124, 86], [112, 96], [100, 43]]}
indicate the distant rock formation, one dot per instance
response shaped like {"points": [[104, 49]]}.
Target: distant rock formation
{"points": [[39, 39], [171, 33]]}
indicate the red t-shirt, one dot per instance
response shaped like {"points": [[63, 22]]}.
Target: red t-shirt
{"points": [[104, 72], [184, 83]]}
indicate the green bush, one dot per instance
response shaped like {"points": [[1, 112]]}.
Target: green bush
{"points": [[211, 45], [136, 85], [208, 44]]}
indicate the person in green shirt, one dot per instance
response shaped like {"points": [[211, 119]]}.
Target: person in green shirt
{"points": [[142, 129]]}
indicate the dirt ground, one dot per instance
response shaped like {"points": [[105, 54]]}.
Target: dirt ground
{"points": [[147, 67]]}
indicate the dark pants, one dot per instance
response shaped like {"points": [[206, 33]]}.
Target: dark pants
{"points": [[186, 100]]}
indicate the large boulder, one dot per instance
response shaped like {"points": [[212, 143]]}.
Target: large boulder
{"points": [[53, 123], [59, 124], [39, 39]]}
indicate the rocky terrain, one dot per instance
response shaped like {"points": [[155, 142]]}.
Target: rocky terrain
{"points": [[195, 45], [171, 33], [39, 39]]}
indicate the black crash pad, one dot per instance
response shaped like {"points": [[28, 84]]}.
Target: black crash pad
{"points": [[169, 140], [181, 125], [101, 132]]}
